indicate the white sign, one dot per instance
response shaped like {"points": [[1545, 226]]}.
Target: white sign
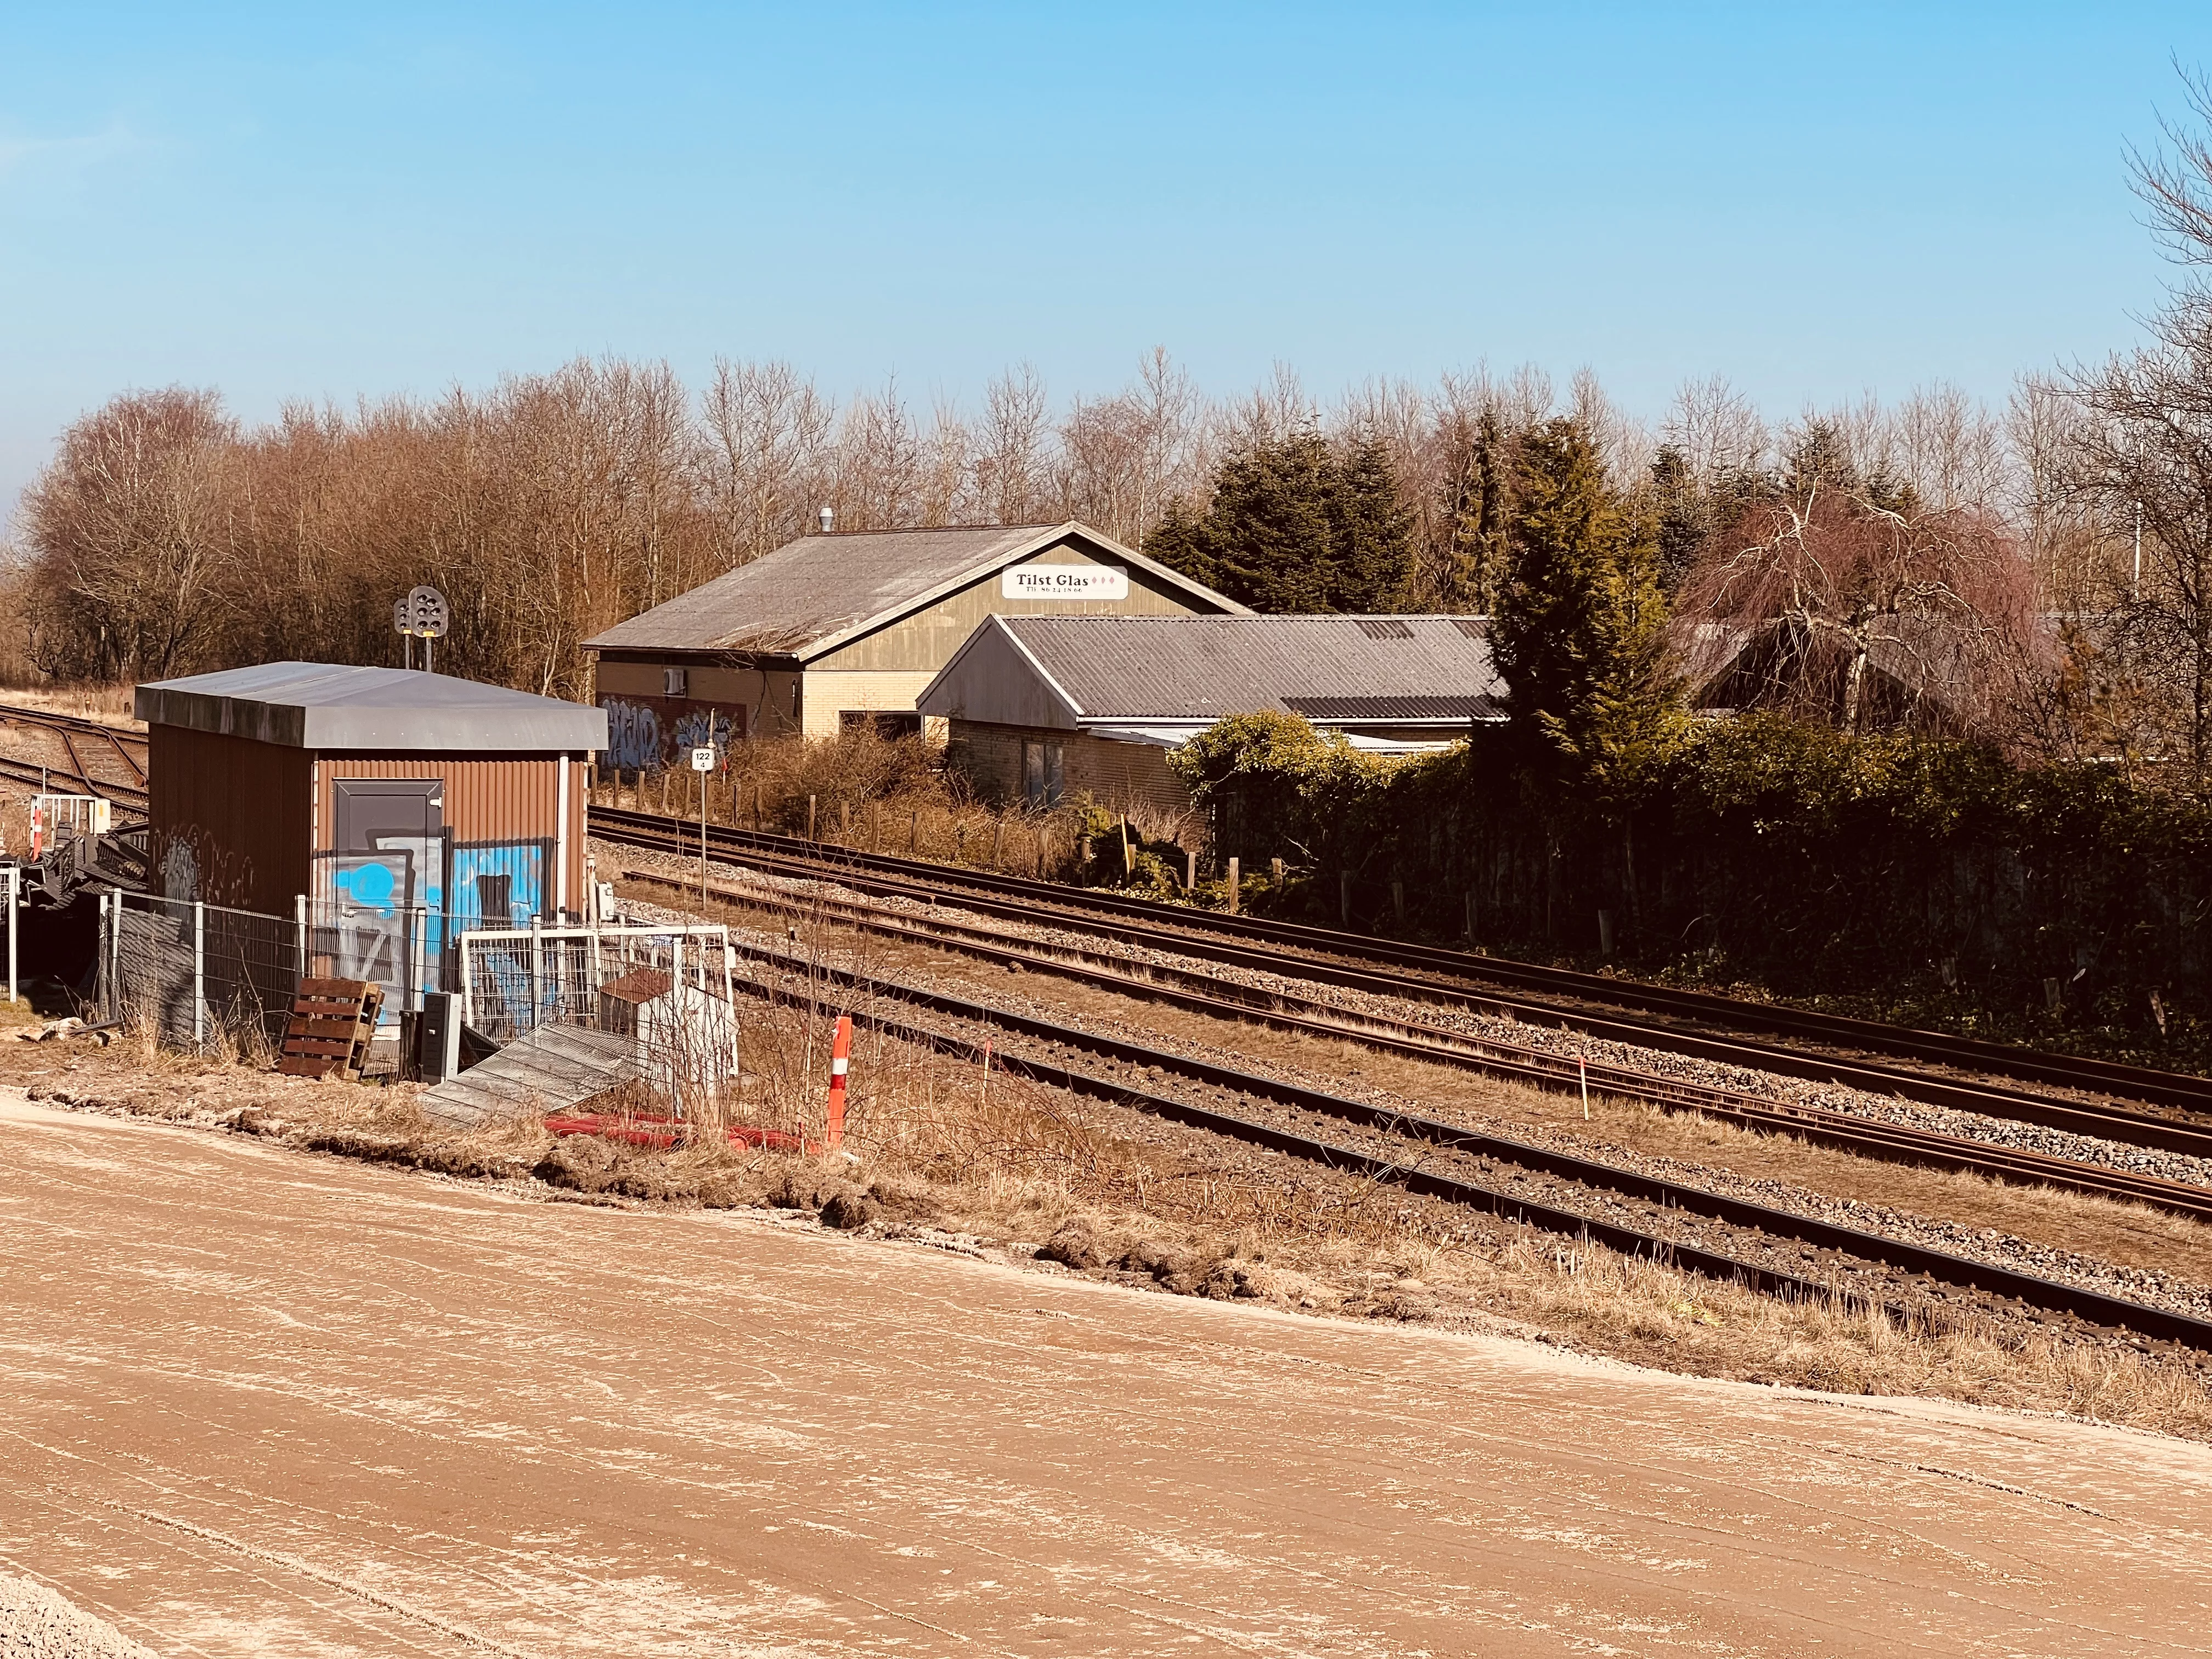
{"points": [[702, 760], [1064, 582]]}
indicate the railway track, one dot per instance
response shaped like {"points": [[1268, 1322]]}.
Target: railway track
{"points": [[1516, 1062], [1770, 1250], [1286, 948], [129, 748]]}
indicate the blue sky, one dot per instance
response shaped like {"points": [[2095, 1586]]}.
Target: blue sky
{"points": [[1813, 201]]}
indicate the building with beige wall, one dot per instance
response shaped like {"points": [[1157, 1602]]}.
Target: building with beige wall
{"points": [[1043, 708], [840, 628]]}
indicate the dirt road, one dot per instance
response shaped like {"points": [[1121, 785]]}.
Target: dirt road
{"points": [[262, 1403]]}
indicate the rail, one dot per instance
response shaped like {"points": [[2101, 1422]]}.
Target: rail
{"points": [[1233, 939], [2004, 1283], [1514, 1062]]}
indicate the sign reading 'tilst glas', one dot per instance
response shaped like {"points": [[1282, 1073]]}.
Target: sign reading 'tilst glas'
{"points": [[1064, 582]]}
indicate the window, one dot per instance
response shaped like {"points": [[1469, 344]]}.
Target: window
{"points": [[1043, 779], [889, 725]]}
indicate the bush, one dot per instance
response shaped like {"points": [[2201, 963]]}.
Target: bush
{"points": [[1933, 879]]}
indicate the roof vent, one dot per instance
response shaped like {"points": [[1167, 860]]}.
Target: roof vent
{"points": [[1384, 627], [828, 517]]}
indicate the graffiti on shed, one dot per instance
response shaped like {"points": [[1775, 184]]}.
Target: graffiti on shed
{"points": [[646, 733]]}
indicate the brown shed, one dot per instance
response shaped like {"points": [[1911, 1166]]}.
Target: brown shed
{"points": [[367, 789]]}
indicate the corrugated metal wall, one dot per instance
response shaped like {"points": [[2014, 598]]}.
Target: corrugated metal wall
{"points": [[487, 798], [242, 808], [253, 813]]}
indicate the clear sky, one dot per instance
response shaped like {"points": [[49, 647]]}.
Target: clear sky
{"points": [[1814, 201]]}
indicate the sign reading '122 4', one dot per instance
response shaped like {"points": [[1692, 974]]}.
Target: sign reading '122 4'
{"points": [[1064, 582]]}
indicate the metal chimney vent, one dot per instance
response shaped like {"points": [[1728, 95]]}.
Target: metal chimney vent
{"points": [[828, 517]]}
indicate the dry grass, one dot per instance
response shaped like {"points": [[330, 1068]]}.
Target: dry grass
{"points": [[1004, 1158], [111, 703], [2127, 1234], [890, 796], [936, 1141]]}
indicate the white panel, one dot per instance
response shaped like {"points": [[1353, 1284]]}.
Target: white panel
{"points": [[1064, 582]]}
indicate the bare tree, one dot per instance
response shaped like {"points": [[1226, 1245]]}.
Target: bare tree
{"points": [[2142, 455], [130, 530], [766, 428], [1717, 431], [1622, 442], [878, 463], [1950, 450], [1866, 615], [1012, 466], [1123, 458], [946, 494]]}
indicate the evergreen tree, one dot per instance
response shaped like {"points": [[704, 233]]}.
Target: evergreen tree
{"points": [[1481, 481], [1298, 526], [1685, 517], [1580, 635], [1372, 553]]}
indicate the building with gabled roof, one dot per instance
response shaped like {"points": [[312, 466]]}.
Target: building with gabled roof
{"points": [[839, 628], [1041, 706]]}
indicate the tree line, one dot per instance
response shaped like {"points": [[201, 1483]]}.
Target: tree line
{"points": [[2039, 573]]}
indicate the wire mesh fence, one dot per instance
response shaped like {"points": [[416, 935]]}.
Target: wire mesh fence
{"points": [[199, 975], [204, 975], [670, 988]]}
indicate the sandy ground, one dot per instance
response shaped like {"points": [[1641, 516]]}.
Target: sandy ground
{"points": [[258, 1402]]}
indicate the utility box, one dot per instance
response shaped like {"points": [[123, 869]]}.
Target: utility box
{"points": [[438, 1036]]}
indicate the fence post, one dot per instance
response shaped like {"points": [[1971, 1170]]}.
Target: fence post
{"points": [[199, 973], [1189, 870], [1234, 880], [809, 817], [537, 967], [1344, 896], [300, 933], [14, 910], [1470, 915]]}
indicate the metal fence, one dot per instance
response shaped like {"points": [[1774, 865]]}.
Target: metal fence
{"points": [[669, 987], [198, 973], [205, 974]]}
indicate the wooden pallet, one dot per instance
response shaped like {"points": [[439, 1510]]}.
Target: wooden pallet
{"points": [[332, 1023]]}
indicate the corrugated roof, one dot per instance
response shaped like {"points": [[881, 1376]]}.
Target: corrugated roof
{"points": [[1139, 668], [810, 593], [319, 705]]}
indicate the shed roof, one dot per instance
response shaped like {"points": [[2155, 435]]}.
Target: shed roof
{"points": [[316, 705], [1333, 670], [811, 596]]}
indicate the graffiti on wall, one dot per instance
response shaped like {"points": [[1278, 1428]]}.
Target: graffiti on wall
{"points": [[646, 733]]}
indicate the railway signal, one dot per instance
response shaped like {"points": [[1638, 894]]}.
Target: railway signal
{"points": [[422, 615]]}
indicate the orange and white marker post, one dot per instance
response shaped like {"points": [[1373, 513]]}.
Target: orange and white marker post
{"points": [[841, 1061]]}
